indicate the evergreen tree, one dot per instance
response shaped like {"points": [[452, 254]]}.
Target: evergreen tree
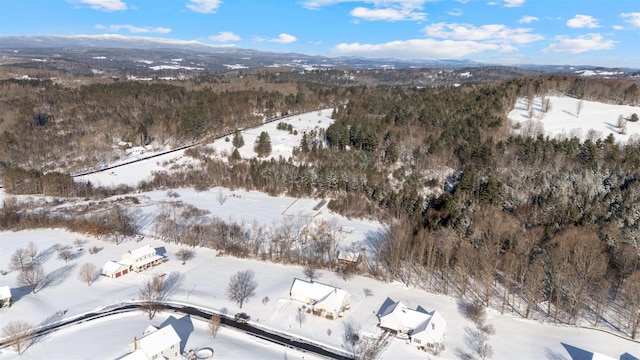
{"points": [[238, 141], [263, 145]]}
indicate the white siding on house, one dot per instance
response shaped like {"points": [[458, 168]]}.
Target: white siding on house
{"points": [[325, 300], [164, 343], [425, 328]]}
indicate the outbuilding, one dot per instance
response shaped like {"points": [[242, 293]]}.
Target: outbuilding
{"points": [[5, 296]]}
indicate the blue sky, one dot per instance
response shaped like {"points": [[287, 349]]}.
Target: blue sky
{"points": [[578, 32]]}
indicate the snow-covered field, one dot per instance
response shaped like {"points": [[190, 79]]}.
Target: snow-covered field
{"points": [[565, 120], [203, 279], [282, 143]]}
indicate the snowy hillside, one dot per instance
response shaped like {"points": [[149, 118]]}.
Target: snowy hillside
{"points": [[567, 117], [202, 280]]}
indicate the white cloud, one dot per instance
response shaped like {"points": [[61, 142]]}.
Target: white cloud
{"points": [[528, 19], [203, 6], [136, 29], [282, 39], [632, 18], [513, 3], [105, 5], [490, 33], [455, 12], [224, 36], [418, 49], [463, 1], [387, 14], [385, 10], [583, 21], [314, 4], [618, 27], [580, 44]]}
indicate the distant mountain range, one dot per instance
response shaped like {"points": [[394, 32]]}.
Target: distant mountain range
{"points": [[161, 54]]}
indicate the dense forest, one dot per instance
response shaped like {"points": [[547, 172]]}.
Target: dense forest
{"points": [[472, 209]]}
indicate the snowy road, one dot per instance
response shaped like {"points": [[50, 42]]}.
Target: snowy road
{"points": [[283, 340]]}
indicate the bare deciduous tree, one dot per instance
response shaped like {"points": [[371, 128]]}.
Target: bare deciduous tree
{"points": [[32, 276], [214, 324], [311, 272], [151, 295], [32, 251], [88, 273], [65, 255], [19, 260], [265, 300], [631, 294], [241, 287], [579, 106], [301, 316], [346, 272], [18, 334], [367, 292], [475, 311], [184, 255]]}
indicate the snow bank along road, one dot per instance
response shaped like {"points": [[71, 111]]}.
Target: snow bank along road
{"points": [[280, 339]]}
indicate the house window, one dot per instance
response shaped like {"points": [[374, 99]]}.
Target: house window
{"points": [[417, 341]]}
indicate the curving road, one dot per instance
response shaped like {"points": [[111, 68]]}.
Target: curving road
{"points": [[280, 339]]}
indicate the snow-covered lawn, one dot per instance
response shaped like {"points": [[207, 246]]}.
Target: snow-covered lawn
{"points": [[565, 120], [202, 282]]}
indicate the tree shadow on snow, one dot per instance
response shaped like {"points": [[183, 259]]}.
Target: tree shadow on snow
{"points": [[171, 283], [44, 255], [553, 355], [57, 277], [462, 355]]}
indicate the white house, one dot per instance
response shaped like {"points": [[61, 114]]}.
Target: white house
{"points": [[325, 300], [142, 258], [134, 260], [160, 344], [5, 296], [423, 328]]}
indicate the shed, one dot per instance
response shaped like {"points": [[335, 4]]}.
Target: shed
{"points": [[5, 296]]}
